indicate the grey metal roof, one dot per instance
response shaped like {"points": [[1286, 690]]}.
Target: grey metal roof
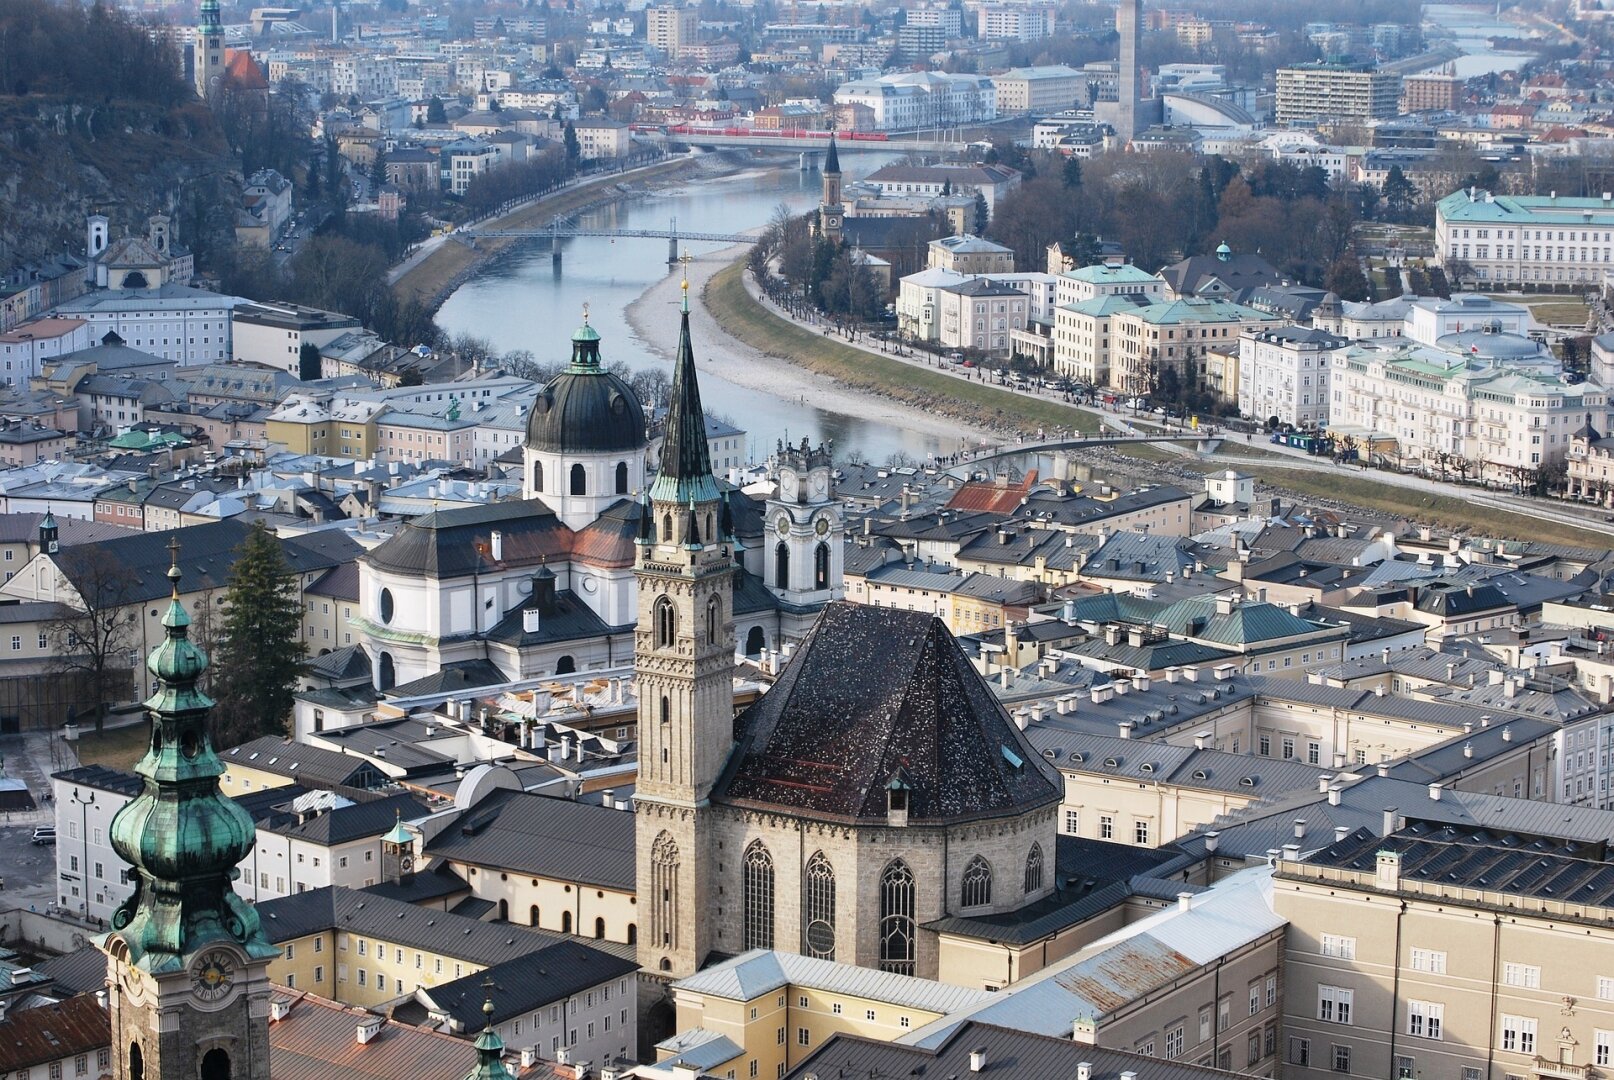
{"points": [[346, 823], [1011, 1054], [542, 836], [1183, 766], [760, 971], [527, 982], [312, 766]]}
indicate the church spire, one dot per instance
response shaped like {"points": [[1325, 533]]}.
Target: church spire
{"points": [[832, 159], [181, 835], [489, 1047], [686, 458]]}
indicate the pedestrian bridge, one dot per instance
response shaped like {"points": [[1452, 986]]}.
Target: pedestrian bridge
{"points": [[567, 230], [1204, 442]]}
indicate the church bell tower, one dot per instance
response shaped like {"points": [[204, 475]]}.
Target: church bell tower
{"points": [[684, 664], [187, 971], [207, 52], [830, 211]]}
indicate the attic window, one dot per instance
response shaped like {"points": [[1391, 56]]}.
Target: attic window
{"points": [[1112, 763], [1148, 767], [898, 799], [1201, 774], [1077, 756], [1248, 781]]}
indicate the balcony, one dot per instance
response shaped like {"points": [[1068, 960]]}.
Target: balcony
{"points": [[1561, 1070]]}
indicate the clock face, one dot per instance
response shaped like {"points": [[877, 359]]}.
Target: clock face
{"points": [[822, 528], [782, 526], [213, 975], [406, 864]]}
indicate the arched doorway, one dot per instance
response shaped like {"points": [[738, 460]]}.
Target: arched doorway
{"points": [[137, 1063], [216, 1065], [755, 642], [565, 922], [504, 911]]}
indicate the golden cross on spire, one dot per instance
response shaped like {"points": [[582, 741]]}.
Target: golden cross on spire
{"points": [[686, 258]]}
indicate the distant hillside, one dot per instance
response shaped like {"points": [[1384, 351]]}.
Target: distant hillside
{"points": [[95, 115]]}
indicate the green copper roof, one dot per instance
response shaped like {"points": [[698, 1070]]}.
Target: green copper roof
{"points": [[489, 1051], [398, 834], [181, 835], [686, 458]]}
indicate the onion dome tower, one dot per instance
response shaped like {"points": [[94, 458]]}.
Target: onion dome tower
{"points": [[585, 444], [188, 960]]}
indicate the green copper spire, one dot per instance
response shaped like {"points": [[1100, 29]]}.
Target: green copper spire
{"points": [[489, 1047], [686, 459], [586, 348], [181, 835], [210, 23]]}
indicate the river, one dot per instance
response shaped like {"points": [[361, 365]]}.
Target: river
{"points": [[1471, 27], [521, 301]]}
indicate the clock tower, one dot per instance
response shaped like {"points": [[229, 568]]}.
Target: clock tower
{"points": [[187, 971], [803, 552]]}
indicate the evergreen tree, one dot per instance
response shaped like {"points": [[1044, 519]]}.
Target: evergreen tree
{"points": [[1073, 173], [569, 137], [981, 213], [435, 113], [1399, 193], [262, 654]]}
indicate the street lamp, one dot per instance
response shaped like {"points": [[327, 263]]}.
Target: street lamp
{"points": [[84, 805]]}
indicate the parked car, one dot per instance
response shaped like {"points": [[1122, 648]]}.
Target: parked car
{"points": [[44, 834]]}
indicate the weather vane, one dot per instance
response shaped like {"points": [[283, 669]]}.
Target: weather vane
{"points": [[585, 312]]}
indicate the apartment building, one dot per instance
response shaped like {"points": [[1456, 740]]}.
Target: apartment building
{"points": [[466, 163], [1283, 372], [179, 323], [602, 137], [1452, 949], [1014, 22], [671, 28], [274, 334], [1086, 299], [1039, 90], [920, 99], [1309, 93], [1151, 339], [1431, 91], [979, 314], [1525, 240]]}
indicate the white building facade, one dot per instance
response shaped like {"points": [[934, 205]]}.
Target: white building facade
{"points": [[1283, 372]]}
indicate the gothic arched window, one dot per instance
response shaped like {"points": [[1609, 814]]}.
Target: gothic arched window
{"points": [[666, 528], [1034, 870], [664, 891], [714, 611], [818, 908], [622, 478], [757, 867], [821, 566], [666, 623], [781, 566], [579, 480], [896, 918], [977, 884]]}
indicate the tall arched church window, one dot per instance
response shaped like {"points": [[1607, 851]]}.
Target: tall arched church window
{"points": [[897, 940], [977, 883], [579, 480], [664, 891], [666, 621], [818, 908], [821, 566], [757, 867], [1034, 870]]}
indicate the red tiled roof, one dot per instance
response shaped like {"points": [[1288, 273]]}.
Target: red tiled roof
{"points": [[49, 1033], [992, 497], [241, 69]]}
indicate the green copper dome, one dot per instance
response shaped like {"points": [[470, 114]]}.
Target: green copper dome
{"points": [[181, 835]]}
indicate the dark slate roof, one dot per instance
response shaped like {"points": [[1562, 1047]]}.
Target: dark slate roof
{"points": [[751, 595], [458, 543], [437, 881], [102, 778], [1010, 1055], [542, 836], [340, 583], [1239, 272], [350, 662], [452, 678], [685, 453], [836, 729], [77, 972], [571, 620], [313, 766], [1451, 601], [347, 823], [525, 983], [586, 409], [206, 554]]}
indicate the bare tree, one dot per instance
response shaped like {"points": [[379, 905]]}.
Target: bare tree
{"points": [[93, 636]]}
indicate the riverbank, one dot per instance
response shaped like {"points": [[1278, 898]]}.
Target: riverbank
{"points": [[451, 262], [654, 320], [931, 392]]}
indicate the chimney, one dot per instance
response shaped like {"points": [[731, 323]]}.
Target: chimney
{"points": [[279, 1009], [978, 1060], [1468, 749], [1322, 782], [1510, 687], [498, 546], [1200, 738], [1213, 840], [608, 797], [1435, 790], [529, 1056], [529, 620], [1387, 870], [1387, 825], [1300, 828], [1291, 852], [1341, 832], [1185, 901], [1084, 1070], [369, 1028], [1507, 734], [1384, 768], [1124, 729], [1007, 677], [1173, 674], [1339, 760], [1333, 794]]}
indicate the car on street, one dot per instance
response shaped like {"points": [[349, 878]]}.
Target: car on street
{"points": [[44, 834]]}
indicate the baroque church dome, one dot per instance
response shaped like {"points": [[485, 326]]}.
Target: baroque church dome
{"points": [[586, 409]]}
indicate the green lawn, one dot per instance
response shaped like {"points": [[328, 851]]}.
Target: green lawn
{"points": [[116, 748], [1451, 512], [1553, 310], [740, 314]]}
